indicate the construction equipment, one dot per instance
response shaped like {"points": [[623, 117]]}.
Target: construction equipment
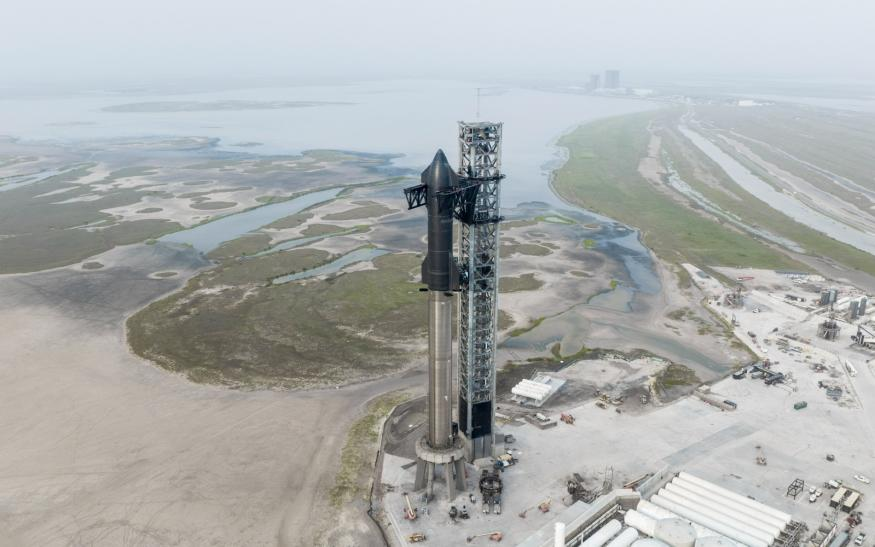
{"points": [[543, 507], [490, 490], [761, 456], [567, 418], [409, 511], [416, 537], [493, 536], [578, 491]]}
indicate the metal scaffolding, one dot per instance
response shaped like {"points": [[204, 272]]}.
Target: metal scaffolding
{"points": [[480, 170]]}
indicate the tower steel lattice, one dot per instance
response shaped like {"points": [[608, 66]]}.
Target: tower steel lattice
{"points": [[480, 169]]}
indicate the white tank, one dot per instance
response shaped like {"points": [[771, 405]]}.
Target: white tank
{"points": [[686, 486], [649, 542], [734, 496], [603, 534], [675, 532], [624, 539], [717, 516], [707, 522], [743, 520], [640, 522], [656, 513], [715, 541]]}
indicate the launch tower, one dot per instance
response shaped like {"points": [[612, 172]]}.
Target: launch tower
{"points": [[479, 169]]}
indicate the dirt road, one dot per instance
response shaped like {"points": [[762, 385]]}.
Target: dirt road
{"points": [[100, 448]]}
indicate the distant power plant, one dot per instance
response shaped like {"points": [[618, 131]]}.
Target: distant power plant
{"points": [[612, 79], [471, 197]]}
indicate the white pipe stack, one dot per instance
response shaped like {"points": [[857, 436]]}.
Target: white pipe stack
{"points": [[559, 534], [752, 540], [624, 538], [686, 488], [715, 541], [649, 542], [684, 476], [675, 532], [640, 522], [658, 513], [719, 511], [603, 534]]}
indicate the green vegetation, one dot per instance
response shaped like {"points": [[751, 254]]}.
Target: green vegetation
{"points": [[228, 326], [245, 245], [555, 219], [614, 284], [533, 324], [371, 210], [589, 243], [511, 224], [213, 205], [674, 376], [356, 459], [524, 282], [556, 352], [602, 174], [693, 167], [679, 314], [505, 320], [531, 249]]}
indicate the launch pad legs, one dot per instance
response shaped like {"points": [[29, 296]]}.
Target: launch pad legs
{"points": [[451, 459]]}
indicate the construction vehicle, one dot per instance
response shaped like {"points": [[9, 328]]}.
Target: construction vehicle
{"points": [[567, 418], [543, 507], [761, 456], [409, 511], [416, 537], [490, 490], [493, 536]]}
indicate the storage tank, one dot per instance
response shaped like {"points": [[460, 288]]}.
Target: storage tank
{"points": [[640, 522], [707, 522], [675, 532], [734, 496], [624, 539], [716, 516], [752, 512], [719, 506], [649, 542], [656, 513], [603, 534]]}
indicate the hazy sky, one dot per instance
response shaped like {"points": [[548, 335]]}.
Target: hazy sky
{"points": [[150, 40]]}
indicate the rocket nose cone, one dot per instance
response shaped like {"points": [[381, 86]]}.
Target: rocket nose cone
{"points": [[439, 174], [440, 157]]}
